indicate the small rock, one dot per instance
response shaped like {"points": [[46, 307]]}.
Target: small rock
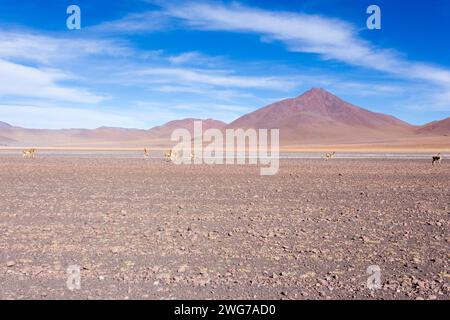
{"points": [[416, 260], [422, 285], [115, 250], [323, 282], [10, 263], [182, 269]]}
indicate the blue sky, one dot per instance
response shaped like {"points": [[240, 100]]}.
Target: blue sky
{"points": [[140, 63]]}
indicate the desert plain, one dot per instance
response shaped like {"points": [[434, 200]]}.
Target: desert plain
{"points": [[148, 229]]}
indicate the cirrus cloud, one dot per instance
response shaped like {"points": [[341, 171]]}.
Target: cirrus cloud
{"points": [[24, 81]]}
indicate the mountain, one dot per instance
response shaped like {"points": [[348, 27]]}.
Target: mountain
{"points": [[319, 117], [316, 118], [165, 131], [4, 141], [111, 134], [441, 128], [4, 125], [105, 137]]}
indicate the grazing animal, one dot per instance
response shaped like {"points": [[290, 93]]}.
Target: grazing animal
{"points": [[171, 155], [29, 153], [329, 155], [168, 155], [146, 153], [437, 158]]}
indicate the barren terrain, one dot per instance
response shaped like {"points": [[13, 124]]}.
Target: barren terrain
{"points": [[147, 229]]}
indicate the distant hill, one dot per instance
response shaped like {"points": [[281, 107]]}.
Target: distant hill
{"points": [[111, 134], [107, 137], [164, 131], [441, 127], [313, 119], [4, 125], [318, 116], [5, 141]]}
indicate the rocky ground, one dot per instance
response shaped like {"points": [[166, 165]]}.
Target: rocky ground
{"points": [[147, 229]]}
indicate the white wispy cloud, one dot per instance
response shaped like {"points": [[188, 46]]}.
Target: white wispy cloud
{"points": [[134, 23], [218, 94], [48, 117], [331, 39], [35, 65], [328, 37], [46, 49], [219, 78], [196, 58], [161, 113], [18, 80]]}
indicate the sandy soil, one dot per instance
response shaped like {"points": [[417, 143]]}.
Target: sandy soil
{"points": [[429, 144], [147, 229]]}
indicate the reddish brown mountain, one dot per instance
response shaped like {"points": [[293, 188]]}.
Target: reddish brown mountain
{"points": [[164, 131], [100, 137], [111, 134], [441, 128], [20, 137], [318, 116]]}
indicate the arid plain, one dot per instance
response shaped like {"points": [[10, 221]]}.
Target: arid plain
{"points": [[149, 229]]}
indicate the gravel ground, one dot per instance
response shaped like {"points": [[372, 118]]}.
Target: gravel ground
{"points": [[147, 229]]}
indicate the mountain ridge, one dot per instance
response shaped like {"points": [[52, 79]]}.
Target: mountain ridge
{"points": [[436, 127], [4, 125], [316, 117], [319, 116]]}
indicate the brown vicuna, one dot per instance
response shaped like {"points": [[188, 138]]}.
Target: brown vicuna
{"points": [[437, 158]]}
